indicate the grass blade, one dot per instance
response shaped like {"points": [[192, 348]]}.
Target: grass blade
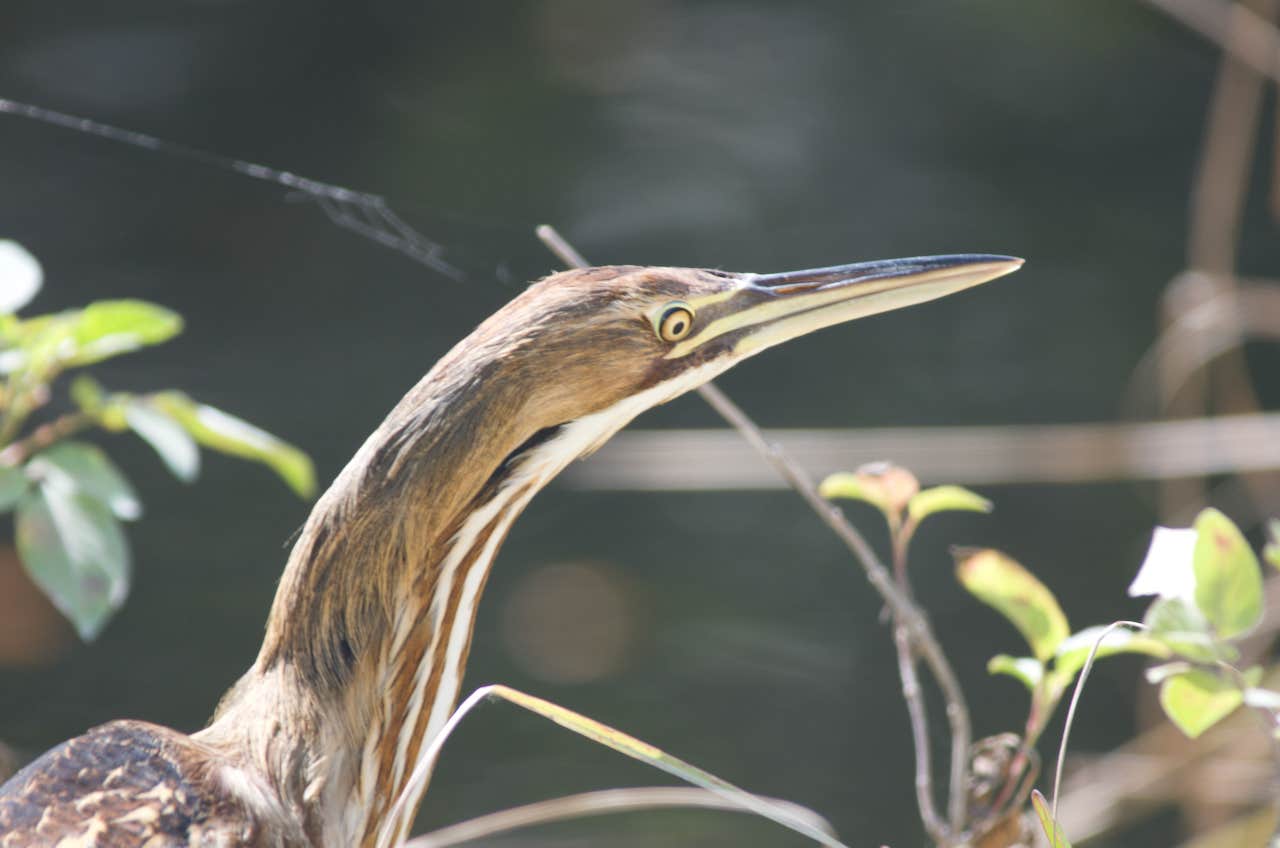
{"points": [[604, 802], [611, 738]]}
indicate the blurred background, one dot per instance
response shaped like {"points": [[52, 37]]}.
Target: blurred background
{"points": [[726, 626]]}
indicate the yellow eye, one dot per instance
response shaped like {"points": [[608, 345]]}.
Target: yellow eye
{"points": [[675, 322]]}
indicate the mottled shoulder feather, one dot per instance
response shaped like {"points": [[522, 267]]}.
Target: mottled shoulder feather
{"points": [[124, 784]]}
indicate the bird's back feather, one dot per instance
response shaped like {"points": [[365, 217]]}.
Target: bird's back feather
{"points": [[123, 784]]}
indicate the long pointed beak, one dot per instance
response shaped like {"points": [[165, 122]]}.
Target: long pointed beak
{"points": [[774, 308]]}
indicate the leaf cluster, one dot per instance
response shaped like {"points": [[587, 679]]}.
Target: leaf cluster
{"points": [[67, 496]]}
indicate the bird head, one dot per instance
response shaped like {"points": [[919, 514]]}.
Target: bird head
{"points": [[607, 343]]}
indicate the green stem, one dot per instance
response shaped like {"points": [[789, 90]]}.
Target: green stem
{"points": [[901, 540]]}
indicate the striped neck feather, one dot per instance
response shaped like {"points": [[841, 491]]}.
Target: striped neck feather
{"points": [[370, 632]]}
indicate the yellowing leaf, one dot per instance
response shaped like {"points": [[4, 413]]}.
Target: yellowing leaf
{"points": [[945, 499], [1052, 830], [1015, 593], [1228, 578], [1197, 700], [887, 487]]}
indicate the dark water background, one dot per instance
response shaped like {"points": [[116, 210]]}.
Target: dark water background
{"points": [[745, 135]]}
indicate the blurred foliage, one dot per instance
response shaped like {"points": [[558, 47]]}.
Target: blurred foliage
{"points": [[67, 496]]}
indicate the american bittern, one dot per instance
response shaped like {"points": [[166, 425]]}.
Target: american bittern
{"points": [[371, 624]]}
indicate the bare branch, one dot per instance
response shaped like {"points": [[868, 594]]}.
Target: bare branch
{"points": [[905, 613], [564, 251], [913, 695], [379, 223]]}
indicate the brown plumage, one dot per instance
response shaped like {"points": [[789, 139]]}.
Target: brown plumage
{"points": [[125, 783], [371, 625]]}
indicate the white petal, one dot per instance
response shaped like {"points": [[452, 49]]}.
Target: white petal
{"points": [[1167, 570]]}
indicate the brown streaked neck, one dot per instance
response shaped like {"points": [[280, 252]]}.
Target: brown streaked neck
{"points": [[371, 624]]}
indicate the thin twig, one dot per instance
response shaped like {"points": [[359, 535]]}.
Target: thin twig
{"points": [[1075, 700], [917, 712], [912, 693], [44, 436], [383, 226], [555, 242], [904, 611], [607, 801]]}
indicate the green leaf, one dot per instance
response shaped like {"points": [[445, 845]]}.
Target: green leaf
{"points": [[1052, 830], [219, 431], [885, 486], [1015, 593], [1197, 700], [945, 499], [1179, 625], [1071, 654], [13, 485], [174, 445], [1228, 579], [108, 328], [20, 276], [86, 468], [74, 550], [1027, 669]]}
